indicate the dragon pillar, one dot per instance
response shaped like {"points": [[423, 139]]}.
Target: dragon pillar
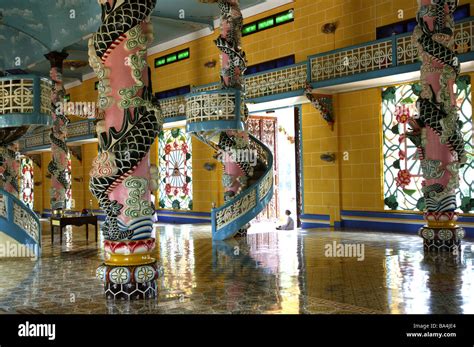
{"points": [[128, 123], [233, 66], [9, 168], [436, 130], [59, 151]]}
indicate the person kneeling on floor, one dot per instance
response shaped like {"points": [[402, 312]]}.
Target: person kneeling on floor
{"points": [[290, 224]]}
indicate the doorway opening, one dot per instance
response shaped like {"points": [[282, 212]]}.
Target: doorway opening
{"points": [[279, 130]]}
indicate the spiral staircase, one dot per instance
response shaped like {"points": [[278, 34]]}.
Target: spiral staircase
{"points": [[24, 105], [208, 114]]}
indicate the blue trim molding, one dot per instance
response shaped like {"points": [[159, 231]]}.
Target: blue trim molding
{"points": [[183, 217], [309, 221], [395, 222]]}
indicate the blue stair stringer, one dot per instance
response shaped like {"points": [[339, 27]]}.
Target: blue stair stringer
{"points": [[19, 222]]}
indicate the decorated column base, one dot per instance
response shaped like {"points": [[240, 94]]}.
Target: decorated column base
{"points": [[129, 271], [442, 234], [442, 240], [130, 291]]}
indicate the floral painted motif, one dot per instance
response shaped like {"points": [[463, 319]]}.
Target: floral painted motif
{"points": [[403, 178], [175, 161], [402, 114]]}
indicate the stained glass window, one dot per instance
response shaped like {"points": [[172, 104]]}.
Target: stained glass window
{"points": [[69, 179], [402, 169], [27, 181], [175, 165]]}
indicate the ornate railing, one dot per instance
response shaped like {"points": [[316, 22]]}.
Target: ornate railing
{"points": [[227, 219], [77, 130], [380, 54], [24, 100], [173, 107], [18, 221], [217, 109], [206, 87], [287, 79], [271, 82], [348, 61]]}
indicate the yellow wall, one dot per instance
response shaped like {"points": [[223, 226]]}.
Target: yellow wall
{"points": [[321, 179], [89, 153], [45, 159], [38, 188], [207, 185], [359, 117], [83, 93], [354, 184]]}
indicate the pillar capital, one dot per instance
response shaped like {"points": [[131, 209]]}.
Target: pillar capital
{"points": [[56, 58]]}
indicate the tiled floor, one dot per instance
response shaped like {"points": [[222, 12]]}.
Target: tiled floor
{"points": [[268, 272]]}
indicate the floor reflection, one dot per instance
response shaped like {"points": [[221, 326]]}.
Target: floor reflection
{"points": [[267, 272]]}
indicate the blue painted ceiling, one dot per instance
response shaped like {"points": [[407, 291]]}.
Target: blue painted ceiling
{"points": [[31, 28]]}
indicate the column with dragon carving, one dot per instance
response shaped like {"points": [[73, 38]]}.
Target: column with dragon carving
{"points": [[128, 123], [9, 168], [233, 66], [436, 131], [58, 167]]}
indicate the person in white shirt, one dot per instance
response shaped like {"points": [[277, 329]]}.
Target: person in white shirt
{"points": [[290, 224]]}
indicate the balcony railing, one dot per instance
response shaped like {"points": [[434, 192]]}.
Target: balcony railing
{"points": [[380, 54], [216, 109], [173, 107], [25, 100], [77, 130]]}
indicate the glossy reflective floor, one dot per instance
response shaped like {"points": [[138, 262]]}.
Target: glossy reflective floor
{"points": [[267, 272]]}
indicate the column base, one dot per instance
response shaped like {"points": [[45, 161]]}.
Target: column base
{"points": [[442, 239], [130, 291], [130, 282]]}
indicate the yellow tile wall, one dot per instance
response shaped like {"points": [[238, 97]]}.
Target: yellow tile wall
{"points": [[46, 158], [83, 93], [359, 118], [207, 185], [77, 183], [321, 179], [89, 153], [38, 189]]}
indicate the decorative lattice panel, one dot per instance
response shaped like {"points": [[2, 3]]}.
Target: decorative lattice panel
{"points": [[402, 170]]}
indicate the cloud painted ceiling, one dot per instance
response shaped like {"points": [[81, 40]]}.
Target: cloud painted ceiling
{"points": [[31, 28]]}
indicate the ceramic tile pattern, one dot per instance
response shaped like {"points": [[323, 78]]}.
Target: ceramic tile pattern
{"points": [[267, 272]]}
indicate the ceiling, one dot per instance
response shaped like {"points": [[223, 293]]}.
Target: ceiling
{"points": [[31, 28]]}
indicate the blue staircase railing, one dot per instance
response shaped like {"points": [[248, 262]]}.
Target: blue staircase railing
{"points": [[208, 113], [237, 212], [19, 222]]}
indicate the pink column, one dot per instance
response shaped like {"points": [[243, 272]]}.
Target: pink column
{"points": [[59, 150], [442, 146], [129, 122], [10, 168]]}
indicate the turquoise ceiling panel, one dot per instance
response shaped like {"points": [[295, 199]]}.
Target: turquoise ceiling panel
{"points": [[31, 28]]}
